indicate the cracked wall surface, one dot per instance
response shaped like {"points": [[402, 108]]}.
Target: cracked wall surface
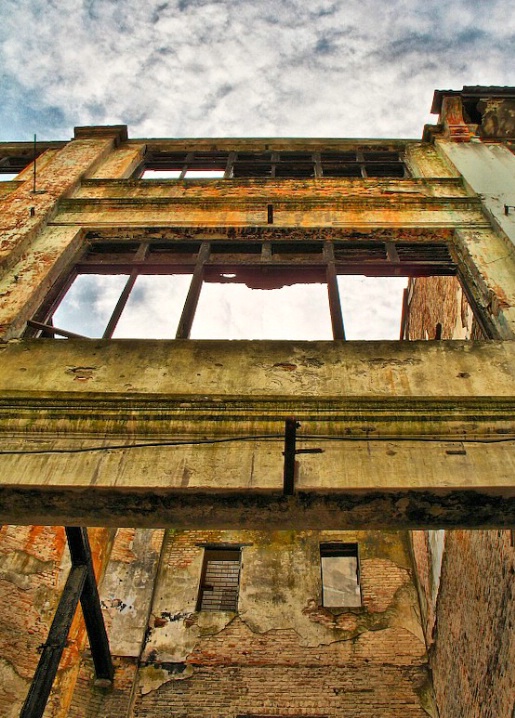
{"points": [[282, 650]]}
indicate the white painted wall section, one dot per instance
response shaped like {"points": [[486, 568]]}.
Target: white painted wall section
{"points": [[490, 171]]}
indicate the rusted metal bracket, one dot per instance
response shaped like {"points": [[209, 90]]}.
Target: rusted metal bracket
{"points": [[80, 586], [290, 441], [290, 452]]}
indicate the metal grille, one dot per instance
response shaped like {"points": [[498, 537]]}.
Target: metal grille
{"points": [[220, 580]]}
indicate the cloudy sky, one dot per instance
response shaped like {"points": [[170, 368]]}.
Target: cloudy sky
{"points": [[222, 68], [186, 68]]}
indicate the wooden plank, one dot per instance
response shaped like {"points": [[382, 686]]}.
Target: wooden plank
{"points": [[41, 685], [78, 543]]}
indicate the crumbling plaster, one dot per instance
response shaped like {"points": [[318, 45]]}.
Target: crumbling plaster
{"points": [[280, 590]]}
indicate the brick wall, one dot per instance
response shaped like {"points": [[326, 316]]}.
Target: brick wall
{"points": [[284, 653], [34, 565], [474, 652]]}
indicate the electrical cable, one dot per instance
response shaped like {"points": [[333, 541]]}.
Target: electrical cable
{"points": [[263, 437]]}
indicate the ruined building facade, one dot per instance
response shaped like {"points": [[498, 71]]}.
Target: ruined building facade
{"points": [[280, 524]]}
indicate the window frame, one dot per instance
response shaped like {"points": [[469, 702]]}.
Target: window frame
{"points": [[210, 552], [340, 549], [310, 260], [353, 162]]}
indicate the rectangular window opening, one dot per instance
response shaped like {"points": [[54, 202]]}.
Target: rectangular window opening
{"points": [[250, 289], [262, 303], [340, 575], [220, 580], [362, 161]]}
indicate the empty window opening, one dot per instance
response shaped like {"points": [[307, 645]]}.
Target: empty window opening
{"points": [[340, 575], [371, 306], [160, 174], [220, 579], [154, 307], [204, 174], [248, 289], [235, 311], [89, 303], [361, 161]]}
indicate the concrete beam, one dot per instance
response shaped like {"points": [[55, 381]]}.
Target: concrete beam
{"points": [[190, 433], [396, 510]]}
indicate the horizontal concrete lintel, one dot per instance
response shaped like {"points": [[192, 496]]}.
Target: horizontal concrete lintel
{"points": [[355, 202], [294, 370], [394, 510]]}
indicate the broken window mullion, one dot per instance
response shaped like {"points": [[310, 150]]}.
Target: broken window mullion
{"points": [[54, 330], [360, 159], [120, 305], [317, 161], [142, 251], [190, 305], [189, 159], [275, 158], [335, 307], [230, 165], [266, 252], [391, 253]]}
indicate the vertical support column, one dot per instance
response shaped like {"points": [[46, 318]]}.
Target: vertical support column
{"points": [[90, 601]]}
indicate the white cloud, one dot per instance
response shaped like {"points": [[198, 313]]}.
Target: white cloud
{"points": [[290, 68]]}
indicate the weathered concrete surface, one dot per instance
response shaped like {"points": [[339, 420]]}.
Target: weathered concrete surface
{"points": [[24, 287], [310, 190], [261, 369], [424, 457], [127, 589], [23, 214], [358, 212]]}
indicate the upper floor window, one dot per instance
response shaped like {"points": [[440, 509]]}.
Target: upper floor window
{"points": [[238, 289], [361, 161]]}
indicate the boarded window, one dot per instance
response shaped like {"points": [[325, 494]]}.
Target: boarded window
{"points": [[220, 580], [340, 575]]}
